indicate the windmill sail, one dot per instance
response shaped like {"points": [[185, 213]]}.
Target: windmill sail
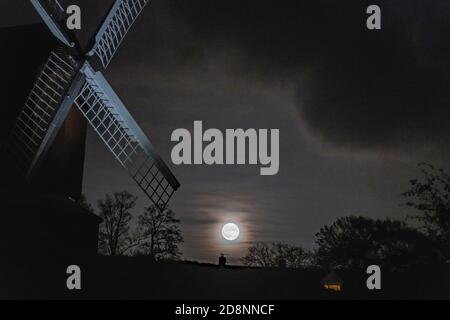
{"points": [[62, 83], [54, 17], [115, 27], [44, 112], [124, 138]]}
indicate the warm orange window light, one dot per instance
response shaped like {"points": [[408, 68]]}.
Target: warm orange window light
{"points": [[332, 282], [333, 286]]}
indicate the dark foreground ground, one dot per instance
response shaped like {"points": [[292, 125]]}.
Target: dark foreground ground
{"points": [[141, 278]]}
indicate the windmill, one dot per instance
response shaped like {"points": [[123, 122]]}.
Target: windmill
{"points": [[69, 80]]}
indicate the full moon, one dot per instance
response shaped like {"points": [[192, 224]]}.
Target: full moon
{"points": [[230, 231]]}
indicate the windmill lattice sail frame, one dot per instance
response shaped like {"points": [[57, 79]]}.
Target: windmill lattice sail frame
{"points": [[54, 17], [116, 26], [124, 138], [66, 81], [39, 115]]}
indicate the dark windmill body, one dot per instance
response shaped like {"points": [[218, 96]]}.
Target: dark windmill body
{"points": [[61, 171], [45, 145]]}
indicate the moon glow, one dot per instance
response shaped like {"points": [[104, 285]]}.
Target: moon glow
{"points": [[230, 231]]}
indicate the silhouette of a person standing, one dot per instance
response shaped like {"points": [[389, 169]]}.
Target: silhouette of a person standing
{"points": [[222, 260]]}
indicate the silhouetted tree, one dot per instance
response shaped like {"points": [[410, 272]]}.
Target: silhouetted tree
{"points": [[276, 254], [431, 196], [357, 242], [114, 234], [159, 233], [258, 255]]}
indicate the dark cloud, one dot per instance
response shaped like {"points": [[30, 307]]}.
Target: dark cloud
{"points": [[357, 88]]}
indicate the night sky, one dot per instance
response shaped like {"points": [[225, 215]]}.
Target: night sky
{"points": [[357, 109]]}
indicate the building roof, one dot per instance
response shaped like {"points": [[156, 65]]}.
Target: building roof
{"points": [[332, 277]]}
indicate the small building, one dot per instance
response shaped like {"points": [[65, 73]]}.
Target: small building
{"points": [[222, 260], [332, 282]]}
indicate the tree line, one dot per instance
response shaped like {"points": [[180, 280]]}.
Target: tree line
{"points": [[355, 242], [351, 242]]}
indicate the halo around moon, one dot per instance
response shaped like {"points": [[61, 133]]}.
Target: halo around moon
{"points": [[230, 231]]}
